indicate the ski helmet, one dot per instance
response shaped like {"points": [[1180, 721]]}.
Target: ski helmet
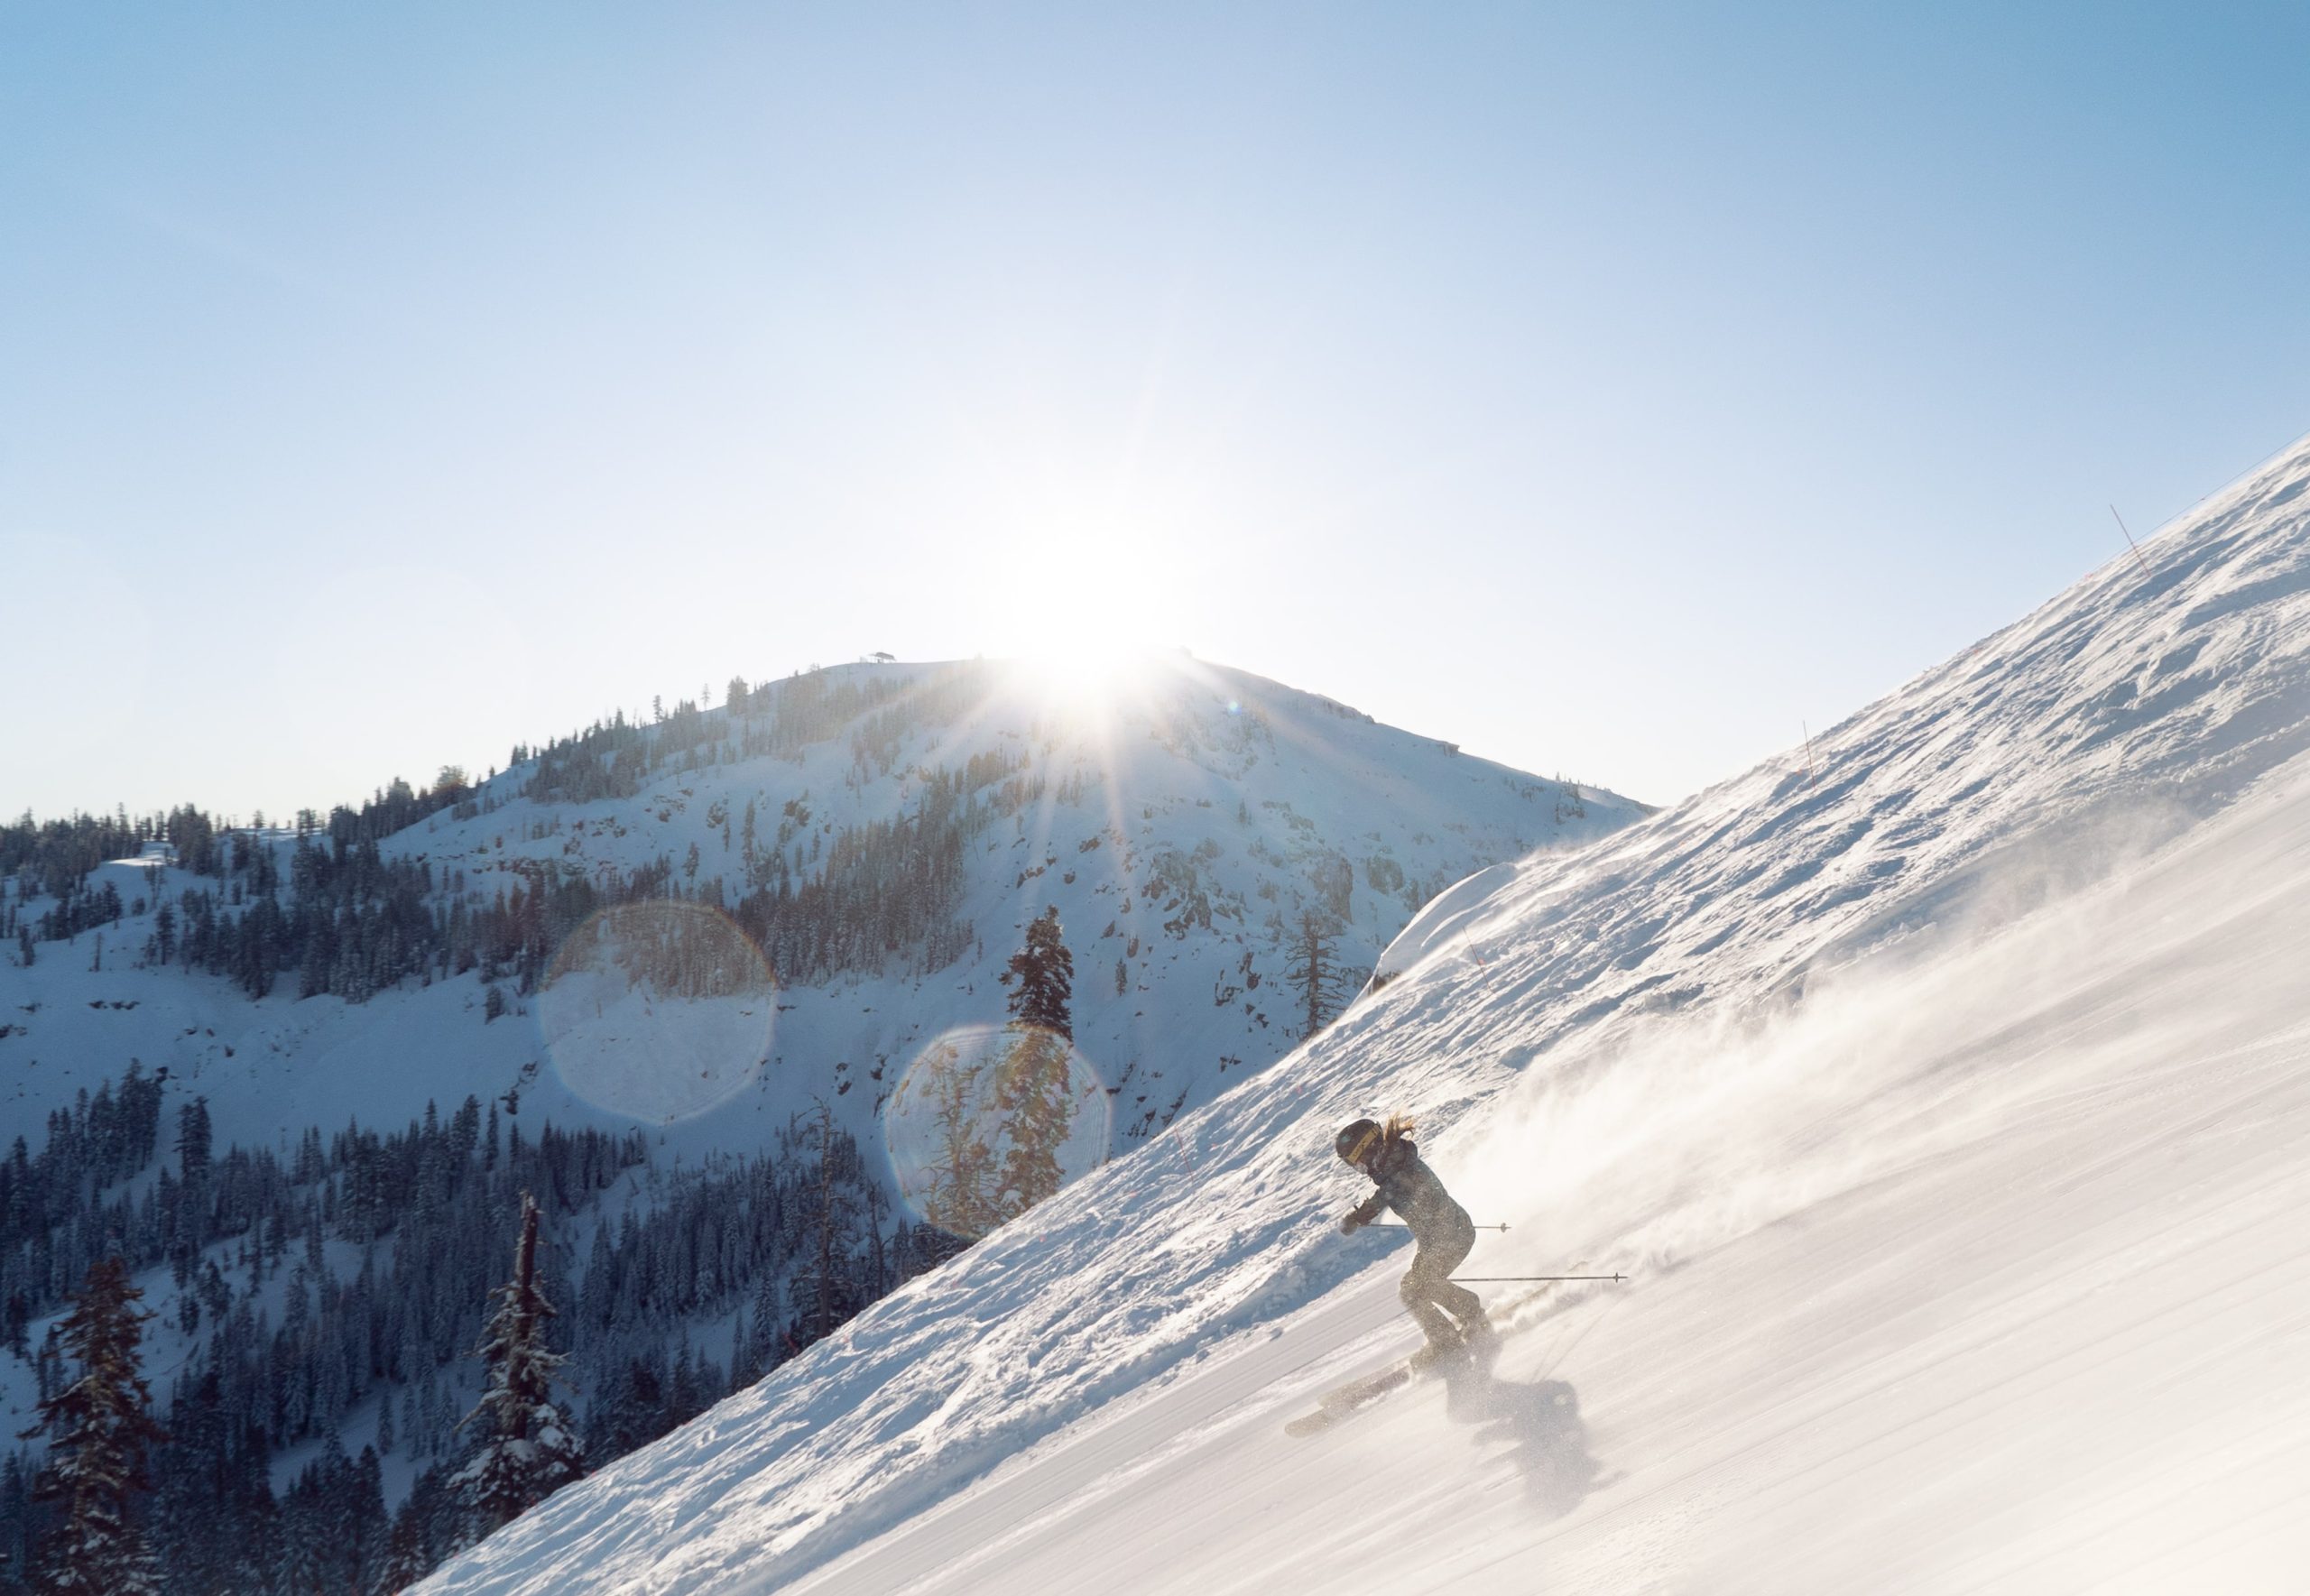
{"points": [[1355, 1141]]}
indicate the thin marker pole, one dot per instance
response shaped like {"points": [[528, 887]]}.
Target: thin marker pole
{"points": [[2129, 542]]}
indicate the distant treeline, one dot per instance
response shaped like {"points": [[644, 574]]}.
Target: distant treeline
{"points": [[54, 857]]}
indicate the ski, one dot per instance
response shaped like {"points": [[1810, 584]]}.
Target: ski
{"points": [[1344, 1402]]}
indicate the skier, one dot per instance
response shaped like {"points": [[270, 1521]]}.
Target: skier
{"points": [[1439, 1224]]}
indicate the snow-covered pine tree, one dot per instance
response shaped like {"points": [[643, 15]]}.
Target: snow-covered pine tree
{"points": [[526, 1448], [98, 1428]]}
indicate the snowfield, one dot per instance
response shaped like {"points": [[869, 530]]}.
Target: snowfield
{"points": [[1947, 1106]]}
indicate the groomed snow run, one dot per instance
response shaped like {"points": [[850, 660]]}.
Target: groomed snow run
{"points": [[1947, 1101]]}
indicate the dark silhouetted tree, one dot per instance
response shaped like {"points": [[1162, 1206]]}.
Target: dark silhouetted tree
{"points": [[98, 1428], [1315, 971], [825, 1288], [527, 1448], [1034, 1090], [1042, 975]]}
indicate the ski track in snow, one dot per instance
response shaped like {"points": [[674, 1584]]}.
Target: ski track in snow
{"points": [[1948, 1105]]}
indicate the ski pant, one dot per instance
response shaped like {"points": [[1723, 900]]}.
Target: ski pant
{"points": [[1427, 1291]]}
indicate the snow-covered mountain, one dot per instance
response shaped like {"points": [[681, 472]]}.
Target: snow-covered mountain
{"points": [[679, 936], [1182, 816], [1944, 1096]]}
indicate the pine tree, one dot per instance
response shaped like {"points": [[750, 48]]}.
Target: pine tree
{"points": [[193, 1141], [15, 1523], [98, 1428], [527, 1448], [193, 1197], [630, 1412], [1044, 972], [824, 1293], [420, 1536], [958, 1200], [1035, 1093], [1034, 1089], [1316, 970]]}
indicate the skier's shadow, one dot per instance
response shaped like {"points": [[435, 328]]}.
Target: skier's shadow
{"points": [[1539, 1422]]}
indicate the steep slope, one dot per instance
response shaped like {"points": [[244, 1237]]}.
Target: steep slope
{"points": [[1946, 1100]]}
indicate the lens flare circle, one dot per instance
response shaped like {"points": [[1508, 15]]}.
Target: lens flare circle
{"points": [[989, 1120], [658, 1010]]}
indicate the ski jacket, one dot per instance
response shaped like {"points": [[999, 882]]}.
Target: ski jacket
{"points": [[1407, 1185]]}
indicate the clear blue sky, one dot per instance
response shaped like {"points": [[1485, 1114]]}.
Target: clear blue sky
{"points": [[1611, 389]]}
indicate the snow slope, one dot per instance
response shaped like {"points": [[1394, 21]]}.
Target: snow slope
{"points": [[1948, 1105]]}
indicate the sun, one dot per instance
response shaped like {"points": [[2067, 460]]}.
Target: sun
{"points": [[1083, 615], [1084, 671]]}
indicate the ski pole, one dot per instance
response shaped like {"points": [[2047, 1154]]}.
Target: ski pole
{"points": [[1504, 1279], [1390, 1225]]}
